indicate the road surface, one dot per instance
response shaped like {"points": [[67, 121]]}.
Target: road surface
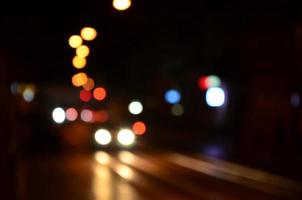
{"points": [[135, 175]]}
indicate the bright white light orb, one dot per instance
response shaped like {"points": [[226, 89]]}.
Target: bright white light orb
{"points": [[135, 107], [126, 137], [215, 97], [102, 136], [121, 4], [58, 115]]}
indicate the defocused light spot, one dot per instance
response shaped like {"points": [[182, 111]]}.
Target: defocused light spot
{"points": [[75, 41], [125, 172], [214, 150], [121, 4], [85, 95], [71, 114], [177, 110], [88, 33], [215, 97], [14, 88], [126, 137], [79, 62], [202, 83], [21, 88], [102, 136], [29, 93], [206, 82], [139, 128], [126, 157], [135, 107], [100, 116], [58, 115], [82, 51], [102, 157], [172, 96], [79, 79], [99, 93], [89, 85], [87, 115], [295, 100]]}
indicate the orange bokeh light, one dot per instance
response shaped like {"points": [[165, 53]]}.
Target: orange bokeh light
{"points": [[99, 93], [139, 128], [89, 84], [79, 79]]}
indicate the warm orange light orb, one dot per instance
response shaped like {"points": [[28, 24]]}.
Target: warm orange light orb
{"points": [[88, 33], [99, 93], [82, 51], [121, 4], [79, 62], [75, 41], [79, 79], [139, 128], [89, 84]]}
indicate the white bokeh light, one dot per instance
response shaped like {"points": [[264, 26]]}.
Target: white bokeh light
{"points": [[126, 137], [58, 115], [215, 97], [135, 107], [102, 136], [121, 4]]}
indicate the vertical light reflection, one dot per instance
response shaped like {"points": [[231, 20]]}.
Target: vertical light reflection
{"points": [[102, 180]]}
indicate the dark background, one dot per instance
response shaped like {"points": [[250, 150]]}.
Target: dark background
{"points": [[253, 46]]}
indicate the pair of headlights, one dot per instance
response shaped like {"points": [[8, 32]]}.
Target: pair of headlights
{"points": [[125, 137]]}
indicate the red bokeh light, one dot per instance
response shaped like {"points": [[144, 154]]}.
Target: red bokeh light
{"points": [[85, 95], [203, 83]]}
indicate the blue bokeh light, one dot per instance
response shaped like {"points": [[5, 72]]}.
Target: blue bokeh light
{"points": [[172, 96]]}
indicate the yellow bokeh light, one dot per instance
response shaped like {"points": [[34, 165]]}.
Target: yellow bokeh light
{"points": [[88, 33], [75, 41], [89, 84], [82, 51], [79, 62], [79, 79], [121, 4]]}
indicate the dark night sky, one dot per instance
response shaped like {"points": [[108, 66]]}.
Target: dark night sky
{"points": [[150, 39]]}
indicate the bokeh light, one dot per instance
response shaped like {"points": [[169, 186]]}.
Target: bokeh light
{"points": [[87, 115], [121, 4], [100, 116], [126, 137], [79, 79], [172, 96], [295, 100], [14, 88], [135, 107], [177, 110], [82, 51], [102, 136], [85, 95], [58, 115], [139, 128], [29, 93], [71, 114], [206, 82], [75, 41], [102, 157], [88, 33], [99, 93], [89, 85], [215, 97], [79, 62]]}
